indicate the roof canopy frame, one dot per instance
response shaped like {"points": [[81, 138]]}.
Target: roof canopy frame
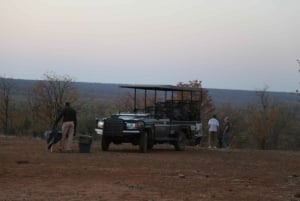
{"points": [[155, 88]]}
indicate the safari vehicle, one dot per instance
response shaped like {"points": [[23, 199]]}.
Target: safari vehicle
{"points": [[173, 120]]}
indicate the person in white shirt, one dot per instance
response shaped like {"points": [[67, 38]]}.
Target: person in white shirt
{"points": [[213, 126]]}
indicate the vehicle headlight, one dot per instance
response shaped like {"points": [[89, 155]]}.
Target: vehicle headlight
{"points": [[135, 125], [100, 124]]}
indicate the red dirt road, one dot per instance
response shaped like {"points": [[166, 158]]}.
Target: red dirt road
{"points": [[30, 173]]}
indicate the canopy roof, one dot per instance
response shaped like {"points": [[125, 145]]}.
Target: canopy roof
{"points": [[160, 87]]}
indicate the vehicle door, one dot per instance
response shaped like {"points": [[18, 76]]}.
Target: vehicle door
{"points": [[162, 128]]}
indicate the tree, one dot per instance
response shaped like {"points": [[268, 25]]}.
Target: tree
{"points": [[264, 121], [6, 88], [124, 102], [49, 96], [207, 107]]}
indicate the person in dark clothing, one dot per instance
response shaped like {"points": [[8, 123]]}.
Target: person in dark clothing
{"points": [[226, 132], [68, 127]]}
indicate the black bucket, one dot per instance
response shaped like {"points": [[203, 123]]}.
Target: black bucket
{"points": [[85, 142]]}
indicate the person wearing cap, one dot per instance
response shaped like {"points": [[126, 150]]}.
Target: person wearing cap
{"points": [[68, 115]]}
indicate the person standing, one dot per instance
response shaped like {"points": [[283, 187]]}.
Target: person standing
{"points": [[226, 132], [213, 126], [68, 127]]}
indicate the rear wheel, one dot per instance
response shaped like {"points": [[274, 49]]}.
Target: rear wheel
{"points": [[180, 142], [105, 143], [143, 142]]}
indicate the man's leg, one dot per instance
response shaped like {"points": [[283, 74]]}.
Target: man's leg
{"points": [[70, 135], [214, 140], [225, 139], [64, 134]]}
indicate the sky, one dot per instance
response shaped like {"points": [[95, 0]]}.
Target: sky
{"points": [[226, 44]]}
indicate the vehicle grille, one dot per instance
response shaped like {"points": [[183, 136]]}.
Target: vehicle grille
{"points": [[113, 127]]}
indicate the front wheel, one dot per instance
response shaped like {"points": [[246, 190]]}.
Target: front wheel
{"points": [[143, 142], [180, 142], [105, 143]]}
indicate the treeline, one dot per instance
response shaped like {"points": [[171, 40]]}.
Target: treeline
{"points": [[263, 125], [272, 127], [35, 110]]}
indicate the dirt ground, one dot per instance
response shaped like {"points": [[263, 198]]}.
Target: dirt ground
{"points": [[28, 172]]}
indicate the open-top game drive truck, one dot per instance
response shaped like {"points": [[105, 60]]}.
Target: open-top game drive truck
{"points": [[174, 120]]}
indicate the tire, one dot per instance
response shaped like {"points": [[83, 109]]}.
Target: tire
{"points": [[180, 142], [105, 143], [143, 142]]}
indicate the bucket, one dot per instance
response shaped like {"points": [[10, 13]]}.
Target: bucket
{"points": [[84, 148], [85, 142]]}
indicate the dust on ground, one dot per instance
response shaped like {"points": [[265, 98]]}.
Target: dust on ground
{"points": [[29, 172]]}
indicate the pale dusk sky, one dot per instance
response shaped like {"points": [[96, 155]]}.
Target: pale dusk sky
{"points": [[227, 44]]}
